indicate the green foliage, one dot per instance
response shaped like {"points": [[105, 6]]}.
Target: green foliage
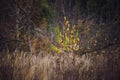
{"points": [[66, 40]]}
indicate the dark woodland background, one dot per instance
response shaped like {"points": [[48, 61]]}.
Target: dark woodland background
{"points": [[27, 30], [24, 16]]}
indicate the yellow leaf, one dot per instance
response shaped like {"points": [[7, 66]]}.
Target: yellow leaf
{"points": [[67, 22], [67, 29], [68, 25], [78, 39], [59, 40], [65, 18], [67, 39]]}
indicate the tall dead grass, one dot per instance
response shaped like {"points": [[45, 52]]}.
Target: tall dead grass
{"points": [[23, 66]]}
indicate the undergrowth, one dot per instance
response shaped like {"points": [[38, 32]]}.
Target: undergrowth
{"points": [[23, 66], [42, 64], [67, 39]]}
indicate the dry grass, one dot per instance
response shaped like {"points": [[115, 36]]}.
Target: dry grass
{"points": [[23, 66]]}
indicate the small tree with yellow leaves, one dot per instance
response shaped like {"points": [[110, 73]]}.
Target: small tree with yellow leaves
{"points": [[67, 40]]}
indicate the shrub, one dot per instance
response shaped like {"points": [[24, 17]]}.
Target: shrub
{"points": [[67, 40]]}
